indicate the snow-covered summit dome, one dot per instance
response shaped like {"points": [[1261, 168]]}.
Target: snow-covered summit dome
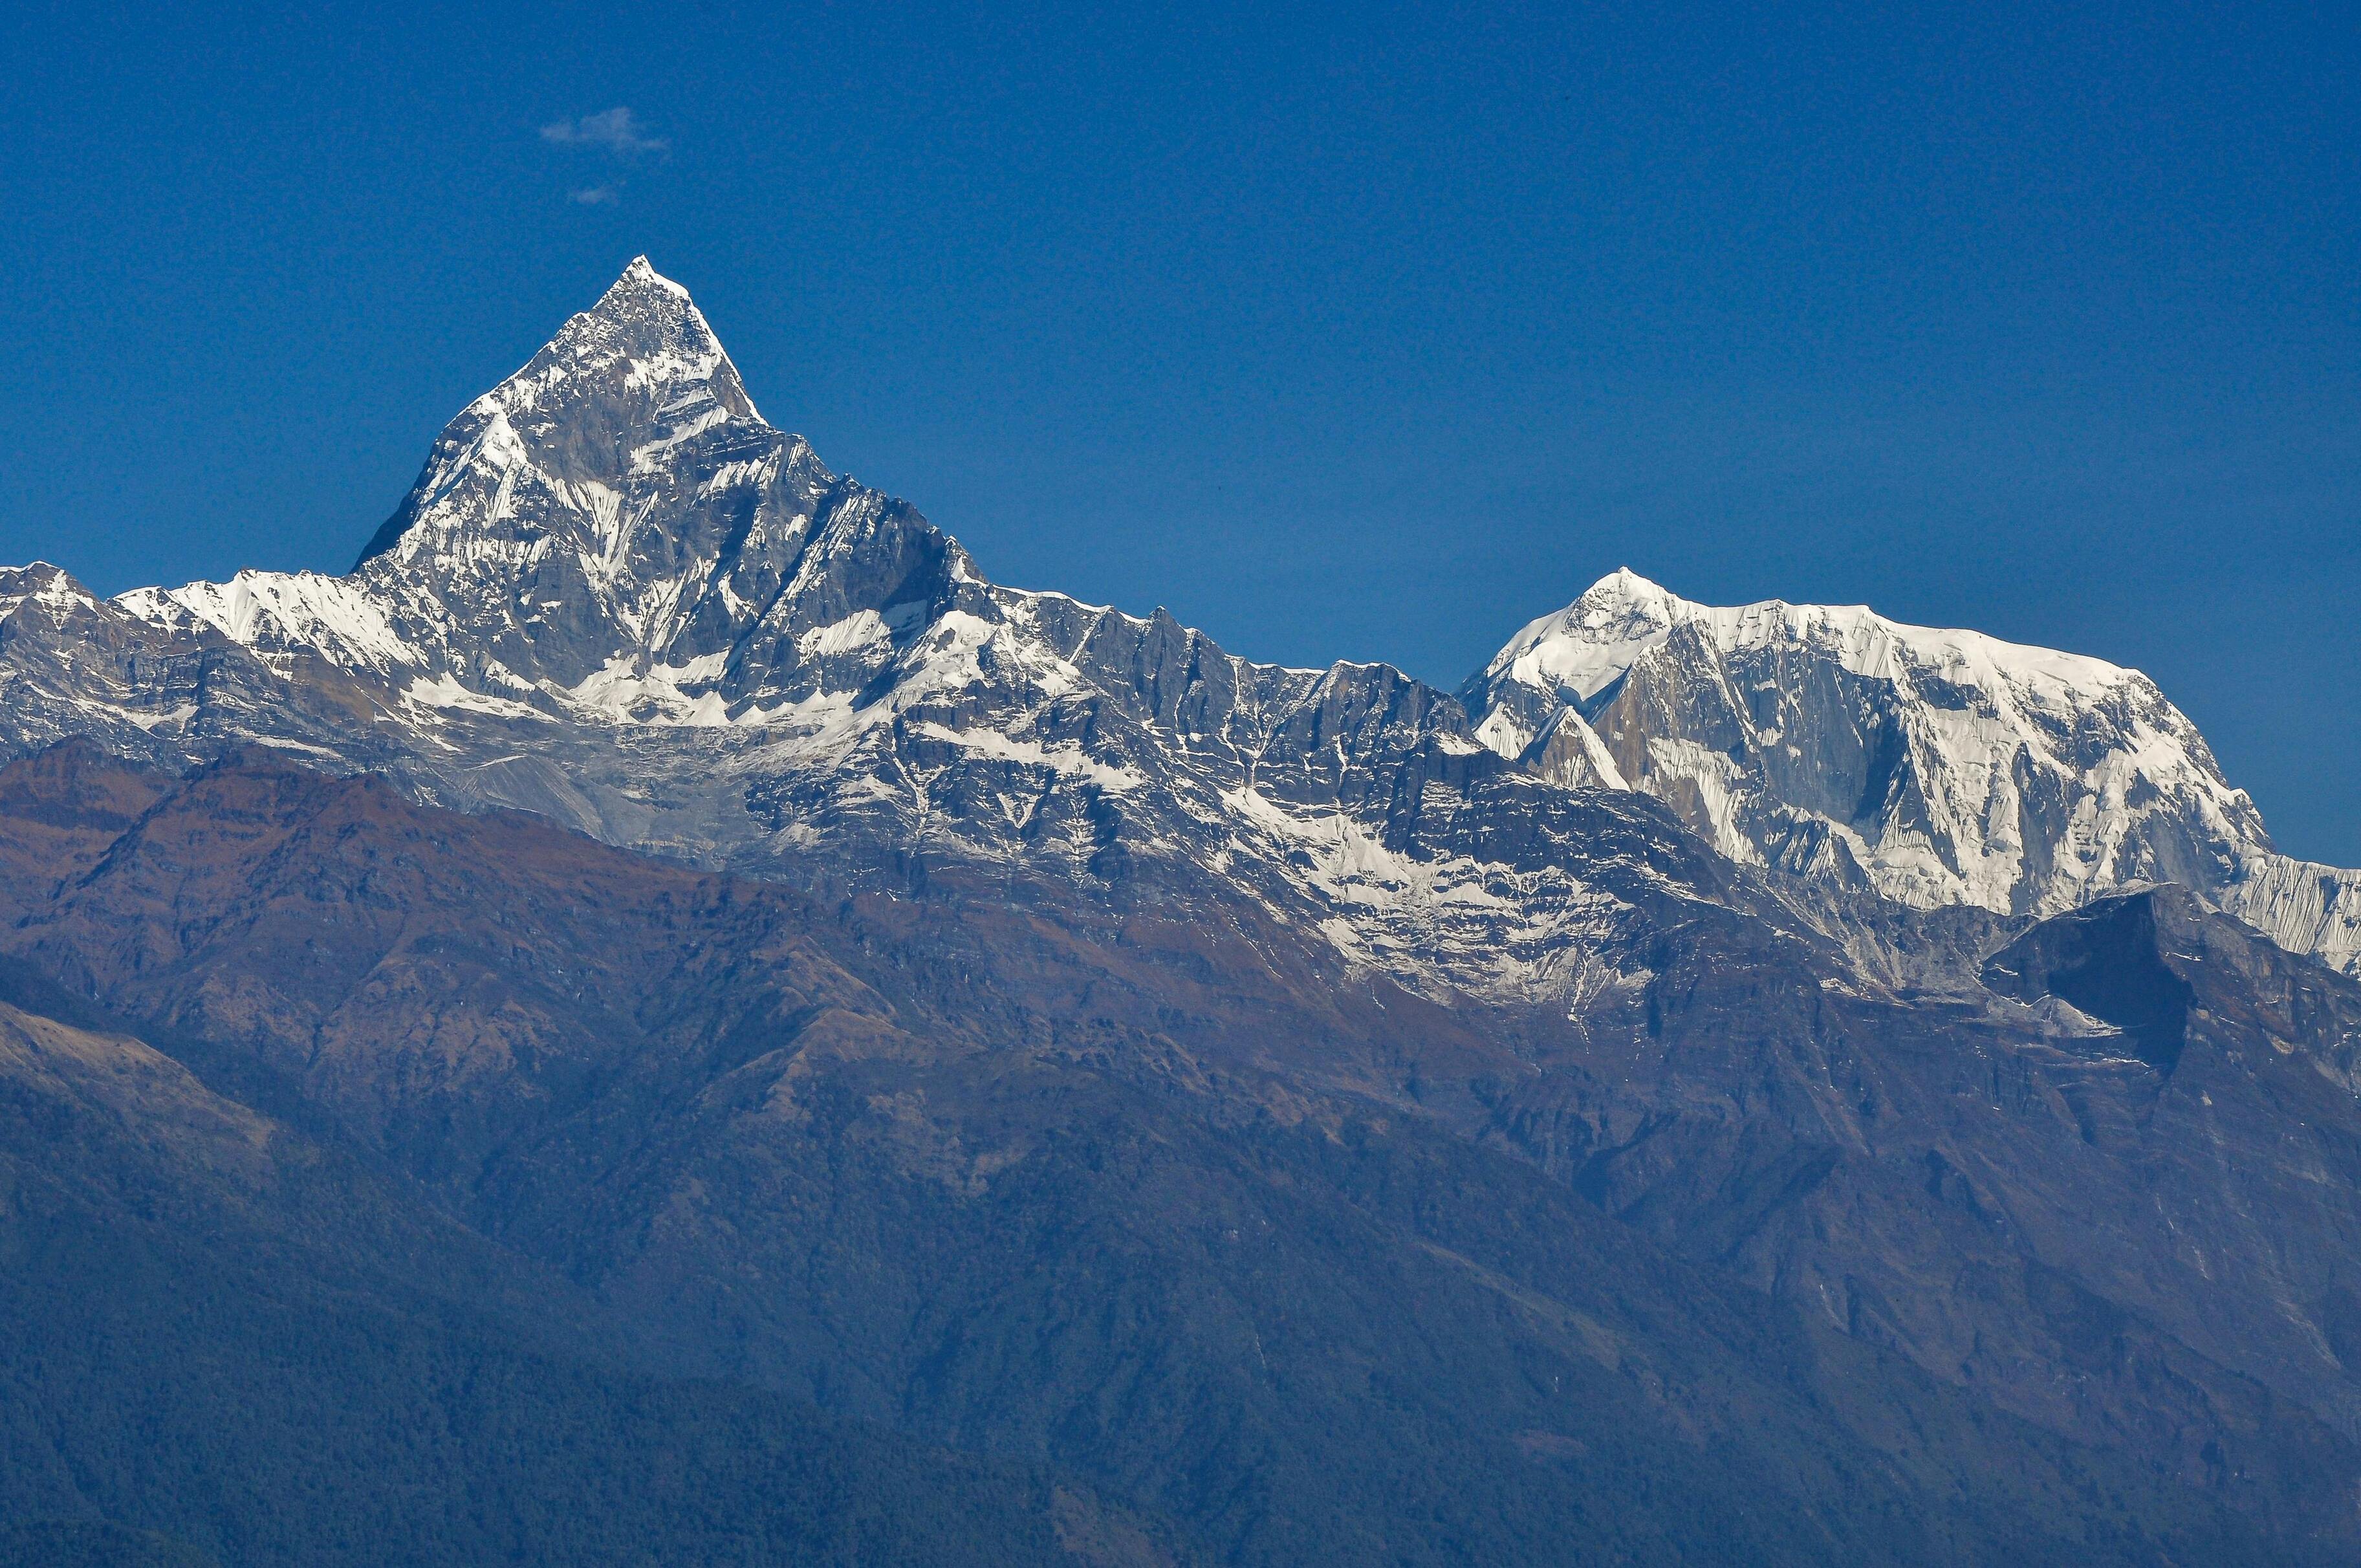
{"points": [[1939, 765]]}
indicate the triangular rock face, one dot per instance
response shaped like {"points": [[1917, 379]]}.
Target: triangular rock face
{"points": [[1948, 766], [619, 506], [616, 513], [638, 371]]}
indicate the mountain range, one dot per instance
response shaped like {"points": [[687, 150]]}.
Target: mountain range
{"points": [[685, 989]]}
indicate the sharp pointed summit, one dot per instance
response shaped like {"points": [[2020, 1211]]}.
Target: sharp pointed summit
{"points": [[642, 274], [598, 410], [574, 514], [614, 525], [646, 331]]}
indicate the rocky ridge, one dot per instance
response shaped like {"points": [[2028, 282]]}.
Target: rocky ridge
{"points": [[615, 588]]}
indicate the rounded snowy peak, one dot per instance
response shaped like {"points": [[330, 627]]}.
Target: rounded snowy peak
{"points": [[1625, 586], [1577, 650], [1581, 649], [1936, 765]]}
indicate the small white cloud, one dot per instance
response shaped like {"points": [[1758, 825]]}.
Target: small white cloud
{"points": [[596, 196], [617, 129]]}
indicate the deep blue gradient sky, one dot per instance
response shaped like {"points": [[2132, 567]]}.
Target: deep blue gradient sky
{"points": [[1363, 333]]}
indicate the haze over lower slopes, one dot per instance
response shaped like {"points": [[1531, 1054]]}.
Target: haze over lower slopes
{"points": [[1356, 336]]}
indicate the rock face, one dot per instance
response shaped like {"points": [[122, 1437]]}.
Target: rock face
{"points": [[612, 532], [942, 935], [1933, 767]]}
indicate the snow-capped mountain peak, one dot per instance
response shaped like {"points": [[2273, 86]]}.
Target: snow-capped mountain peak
{"points": [[1939, 766], [1578, 651], [621, 385], [646, 333], [617, 502], [641, 273]]}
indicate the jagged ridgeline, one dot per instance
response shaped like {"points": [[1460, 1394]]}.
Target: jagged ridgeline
{"points": [[615, 588], [666, 948]]}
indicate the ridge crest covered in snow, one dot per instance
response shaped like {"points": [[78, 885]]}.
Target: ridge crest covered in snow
{"points": [[617, 595], [1937, 766]]}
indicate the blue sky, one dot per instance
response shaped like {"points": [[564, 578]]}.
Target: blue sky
{"points": [[1358, 331]]}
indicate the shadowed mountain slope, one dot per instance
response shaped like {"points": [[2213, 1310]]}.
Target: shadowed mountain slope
{"points": [[1182, 1217], [227, 1342]]}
